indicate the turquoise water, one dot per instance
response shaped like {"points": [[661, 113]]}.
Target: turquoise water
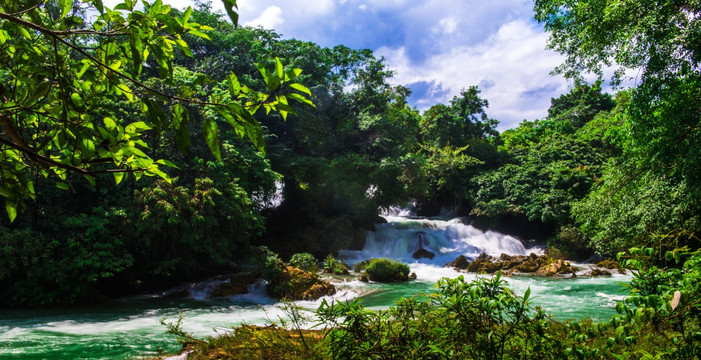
{"points": [[131, 328]]}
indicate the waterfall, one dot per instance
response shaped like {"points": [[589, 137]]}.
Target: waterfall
{"points": [[401, 236]]}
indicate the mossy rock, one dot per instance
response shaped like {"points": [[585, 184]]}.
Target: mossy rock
{"points": [[237, 284], [611, 265], [484, 266], [296, 284], [386, 270], [460, 263]]}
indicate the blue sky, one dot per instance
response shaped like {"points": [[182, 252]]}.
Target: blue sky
{"points": [[436, 47]]}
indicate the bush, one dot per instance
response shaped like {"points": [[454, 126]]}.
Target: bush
{"points": [[335, 266], [477, 320], [386, 270], [304, 261]]}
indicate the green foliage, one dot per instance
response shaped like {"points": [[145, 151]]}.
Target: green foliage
{"points": [[64, 74], [653, 188], [387, 270], [183, 231], [541, 183], [304, 261], [334, 266], [477, 320], [64, 267], [630, 205]]}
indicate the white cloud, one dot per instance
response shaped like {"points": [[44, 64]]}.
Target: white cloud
{"points": [[511, 65], [448, 25], [270, 18]]}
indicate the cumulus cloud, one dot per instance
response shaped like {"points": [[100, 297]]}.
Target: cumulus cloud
{"points": [[270, 18], [510, 66]]}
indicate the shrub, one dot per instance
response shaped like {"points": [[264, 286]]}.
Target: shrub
{"points": [[335, 266], [304, 261], [386, 270], [477, 320]]}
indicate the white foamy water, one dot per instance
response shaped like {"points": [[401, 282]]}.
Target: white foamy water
{"points": [[447, 239]]}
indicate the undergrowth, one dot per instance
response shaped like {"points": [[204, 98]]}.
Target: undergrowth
{"points": [[483, 319]]}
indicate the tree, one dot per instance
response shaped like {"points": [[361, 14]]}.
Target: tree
{"points": [[66, 68], [662, 122]]}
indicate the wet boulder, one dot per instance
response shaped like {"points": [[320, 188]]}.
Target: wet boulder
{"points": [[485, 264], [598, 272], [236, 284], [296, 284], [423, 253], [556, 267], [611, 265], [460, 263]]}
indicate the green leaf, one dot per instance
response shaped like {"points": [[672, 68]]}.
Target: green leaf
{"points": [[279, 68], [66, 6], [198, 34], [77, 101], [99, 6], [229, 6], [167, 163], [301, 88], [90, 179], [62, 185], [138, 126], [11, 208], [300, 98], [234, 85], [211, 136], [118, 176], [137, 51], [292, 73], [110, 124]]}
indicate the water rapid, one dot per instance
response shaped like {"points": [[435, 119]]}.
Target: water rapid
{"points": [[131, 327]]}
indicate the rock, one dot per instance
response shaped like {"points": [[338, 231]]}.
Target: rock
{"points": [[509, 264], [237, 284], [363, 277], [484, 265], [319, 289], [611, 265], [412, 276], [296, 284], [423, 253], [460, 263], [556, 267], [599, 272]]}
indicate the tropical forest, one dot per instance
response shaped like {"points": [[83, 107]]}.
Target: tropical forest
{"points": [[179, 183]]}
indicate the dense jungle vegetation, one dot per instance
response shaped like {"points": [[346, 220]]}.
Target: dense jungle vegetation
{"points": [[141, 148]]}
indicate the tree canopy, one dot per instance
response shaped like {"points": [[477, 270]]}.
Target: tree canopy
{"points": [[68, 70]]}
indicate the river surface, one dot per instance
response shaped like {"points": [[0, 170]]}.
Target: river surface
{"points": [[131, 328]]}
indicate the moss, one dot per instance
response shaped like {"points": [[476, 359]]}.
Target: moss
{"points": [[386, 270]]}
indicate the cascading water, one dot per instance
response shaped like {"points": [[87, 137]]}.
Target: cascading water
{"points": [[400, 237], [131, 327]]}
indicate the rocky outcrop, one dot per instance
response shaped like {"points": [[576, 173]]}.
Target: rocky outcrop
{"points": [[237, 284], [423, 253], [460, 263], [556, 267], [611, 265], [296, 284], [598, 272], [532, 264]]}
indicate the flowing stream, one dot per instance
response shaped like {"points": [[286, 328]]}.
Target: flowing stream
{"points": [[130, 328]]}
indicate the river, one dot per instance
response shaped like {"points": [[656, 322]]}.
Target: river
{"points": [[129, 328]]}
